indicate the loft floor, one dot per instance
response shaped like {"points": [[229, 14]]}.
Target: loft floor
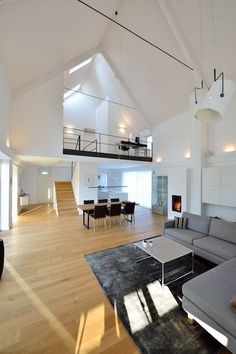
{"points": [[106, 155], [51, 301]]}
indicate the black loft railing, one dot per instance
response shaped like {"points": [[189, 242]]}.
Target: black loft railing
{"points": [[90, 143]]}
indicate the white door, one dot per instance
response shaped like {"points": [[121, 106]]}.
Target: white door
{"points": [[44, 188]]}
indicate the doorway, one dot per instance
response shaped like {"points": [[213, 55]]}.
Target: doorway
{"points": [[44, 186]]}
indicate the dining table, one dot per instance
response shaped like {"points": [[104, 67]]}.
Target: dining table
{"points": [[86, 208]]}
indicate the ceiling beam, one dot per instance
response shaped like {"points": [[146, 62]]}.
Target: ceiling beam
{"points": [[180, 39], [42, 80]]}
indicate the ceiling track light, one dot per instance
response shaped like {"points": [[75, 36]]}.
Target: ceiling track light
{"points": [[136, 34]]}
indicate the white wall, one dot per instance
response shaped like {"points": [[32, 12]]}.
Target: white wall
{"points": [[172, 140], [32, 184], [5, 194], [226, 213], [178, 184], [61, 173], [82, 171], [102, 122], [37, 120], [221, 134], [101, 81], [29, 183], [79, 112], [5, 113]]}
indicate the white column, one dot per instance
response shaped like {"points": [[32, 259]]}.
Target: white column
{"points": [[6, 195]]}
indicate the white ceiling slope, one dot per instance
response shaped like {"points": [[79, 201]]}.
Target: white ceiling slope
{"points": [[38, 38]]}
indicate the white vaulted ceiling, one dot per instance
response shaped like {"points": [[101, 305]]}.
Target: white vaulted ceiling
{"points": [[39, 38]]}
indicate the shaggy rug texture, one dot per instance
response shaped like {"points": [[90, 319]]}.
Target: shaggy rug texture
{"points": [[152, 314]]}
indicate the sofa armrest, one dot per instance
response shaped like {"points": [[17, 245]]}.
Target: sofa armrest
{"points": [[168, 224]]}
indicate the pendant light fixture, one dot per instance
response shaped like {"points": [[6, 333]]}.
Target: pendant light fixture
{"points": [[214, 104], [216, 101]]}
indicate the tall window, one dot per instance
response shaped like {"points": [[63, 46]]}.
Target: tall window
{"points": [[139, 187]]}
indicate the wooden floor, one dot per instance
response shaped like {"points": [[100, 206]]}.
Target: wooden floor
{"points": [[50, 300]]}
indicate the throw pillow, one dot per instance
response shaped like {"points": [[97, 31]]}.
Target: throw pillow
{"points": [[180, 223], [232, 303]]}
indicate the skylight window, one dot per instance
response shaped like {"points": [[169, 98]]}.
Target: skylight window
{"points": [[79, 66], [70, 92]]}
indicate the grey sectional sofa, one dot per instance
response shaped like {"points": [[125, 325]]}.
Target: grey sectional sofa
{"points": [[210, 238], [206, 297]]}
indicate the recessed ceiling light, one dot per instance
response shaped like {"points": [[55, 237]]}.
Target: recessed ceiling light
{"points": [[70, 92], [79, 66]]}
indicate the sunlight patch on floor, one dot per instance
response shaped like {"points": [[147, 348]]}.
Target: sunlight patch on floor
{"points": [[52, 320], [88, 340], [116, 321], [162, 298], [137, 310]]}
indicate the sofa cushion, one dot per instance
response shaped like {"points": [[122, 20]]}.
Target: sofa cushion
{"points": [[180, 223], [216, 246], [198, 223], [232, 303], [185, 235], [211, 293], [224, 230]]}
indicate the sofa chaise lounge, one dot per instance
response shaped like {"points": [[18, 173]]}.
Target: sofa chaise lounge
{"points": [[206, 297]]}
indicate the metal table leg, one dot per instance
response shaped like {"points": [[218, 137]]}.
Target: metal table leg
{"points": [[162, 274], [84, 223]]}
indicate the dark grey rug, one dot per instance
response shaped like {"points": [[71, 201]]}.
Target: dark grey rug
{"points": [[152, 315]]}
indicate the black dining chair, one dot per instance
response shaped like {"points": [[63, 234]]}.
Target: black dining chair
{"points": [[115, 200], [88, 212], [102, 200], [114, 212], [100, 212], [89, 201], [128, 211]]}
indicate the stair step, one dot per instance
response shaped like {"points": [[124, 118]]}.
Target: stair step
{"points": [[65, 199]]}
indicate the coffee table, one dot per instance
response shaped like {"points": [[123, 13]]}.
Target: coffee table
{"points": [[164, 251]]}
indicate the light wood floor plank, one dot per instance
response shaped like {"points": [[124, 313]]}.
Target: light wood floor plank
{"points": [[50, 300]]}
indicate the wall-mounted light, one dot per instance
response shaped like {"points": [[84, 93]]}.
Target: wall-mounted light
{"points": [[158, 159], [122, 128], [8, 143], [69, 131], [229, 148], [187, 155], [44, 173]]}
